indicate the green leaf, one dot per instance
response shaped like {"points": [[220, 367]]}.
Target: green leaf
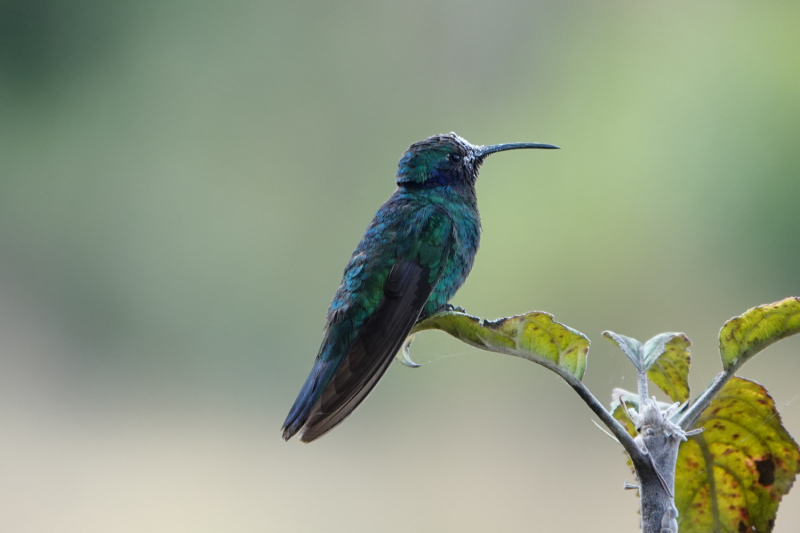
{"points": [[534, 336], [665, 357], [629, 346], [670, 371], [744, 336], [731, 477]]}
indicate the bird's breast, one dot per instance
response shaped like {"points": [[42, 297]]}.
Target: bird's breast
{"points": [[466, 239]]}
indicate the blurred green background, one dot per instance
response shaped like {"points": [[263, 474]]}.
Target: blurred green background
{"points": [[181, 184]]}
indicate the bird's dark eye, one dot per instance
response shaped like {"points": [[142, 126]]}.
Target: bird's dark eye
{"points": [[455, 158]]}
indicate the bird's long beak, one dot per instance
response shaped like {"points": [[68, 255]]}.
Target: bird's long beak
{"points": [[483, 151]]}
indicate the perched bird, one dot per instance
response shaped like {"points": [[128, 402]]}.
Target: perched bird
{"points": [[413, 258]]}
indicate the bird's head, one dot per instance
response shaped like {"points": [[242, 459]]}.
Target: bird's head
{"points": [[447, 160]]}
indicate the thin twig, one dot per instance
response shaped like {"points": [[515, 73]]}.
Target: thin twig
{"points": [[634, 452], [704, 399], [643, 392]]}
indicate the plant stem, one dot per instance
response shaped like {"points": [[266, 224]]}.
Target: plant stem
{"points": [[703, 401], [660, 439], [642, 381], [633, 450], [655, 501]]}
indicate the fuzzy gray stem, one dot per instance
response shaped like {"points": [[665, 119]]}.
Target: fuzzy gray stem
{"points": [[642, 381], [704, 399], [638, 457], [653, 453], [655, 502], [660, 439]]}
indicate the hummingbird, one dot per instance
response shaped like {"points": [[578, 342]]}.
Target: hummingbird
{"points": [[413, 257]]}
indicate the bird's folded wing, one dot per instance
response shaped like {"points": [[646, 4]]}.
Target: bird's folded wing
{"points": [[406, 290]]}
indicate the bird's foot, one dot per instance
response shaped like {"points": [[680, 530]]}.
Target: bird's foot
{"points": [[443, 309]]}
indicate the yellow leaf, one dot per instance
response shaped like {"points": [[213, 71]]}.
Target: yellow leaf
{"points": [[670, 372], [744, 336], [534, 336], [732, 476]]}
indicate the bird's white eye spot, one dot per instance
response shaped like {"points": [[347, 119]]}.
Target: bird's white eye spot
{"points": [[455, 158]]}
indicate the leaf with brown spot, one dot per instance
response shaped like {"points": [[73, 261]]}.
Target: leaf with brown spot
{"points": [[534, 336], [752, 459], [744, 336]]}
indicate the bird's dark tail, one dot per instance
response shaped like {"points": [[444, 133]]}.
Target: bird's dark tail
{"points": [[312, 389]]}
